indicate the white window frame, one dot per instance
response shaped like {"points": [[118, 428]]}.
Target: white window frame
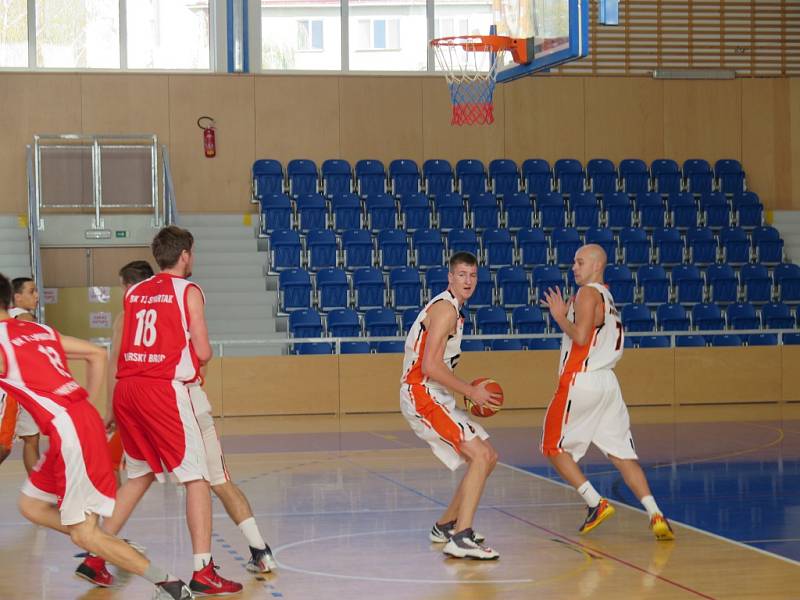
{"points": [[370, 47], [310, 28]]}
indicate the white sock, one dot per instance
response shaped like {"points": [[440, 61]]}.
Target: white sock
{"points": [[201, 560], [589, 494], [250, 531], [650, 506]]}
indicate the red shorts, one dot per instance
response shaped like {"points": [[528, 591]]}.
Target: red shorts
{"points": [[158, 429], [75, 473]]}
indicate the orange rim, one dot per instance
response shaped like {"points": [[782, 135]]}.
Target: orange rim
{"points": [[521, 49]]}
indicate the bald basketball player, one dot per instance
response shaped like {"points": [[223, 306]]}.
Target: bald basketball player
{"points": [[587, 407]]}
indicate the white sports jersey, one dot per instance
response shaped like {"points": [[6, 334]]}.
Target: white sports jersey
{"points": [[605, 347], [417, 337]]}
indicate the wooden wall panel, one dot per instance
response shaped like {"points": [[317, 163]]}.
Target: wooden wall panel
{"points": [[130, 103], [702, 119], [727, 375], [76, 267], [222, 183], [794, 143], [380, 117], [545, 118], [297, 117], [32, 103], [106, 263], [647, 377], [624, 118], [370, 382], [790, 358], [213, 386], [454, 142]]}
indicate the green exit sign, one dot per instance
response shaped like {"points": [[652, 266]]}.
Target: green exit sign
{"points": [[121, 234]]}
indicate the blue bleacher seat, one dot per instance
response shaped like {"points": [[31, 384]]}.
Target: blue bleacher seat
{"points": [[314, 348], [690, 341], [654, 341], [344, 322], [267, 178], [683, 210], [312, 212], [393, 249], [748, 209], [337, 177], [470, 176], [787, 280], [355, 347], [396, 347], [513, 287], [449, 211], [669, 246], [436, 281], [322, 249], [604, 238], [484, 211], [408, 317], [528, 319], [381, 212], [517, 211], [302, 176], [707, 316], [472, 346], [768, 245], [504, 177], [699, 176], [406, 287], [484, 291], [634, 176], [729, 175], [369, 288], [654, 284], [566, 241], [305, 323], [357, 249], [702, 246], [333, 289], [791, 339], [569, 175], [742, 315], [618, 209], [537, 177], [715, 210], [547, 276], [551, 210], [415, 211], [438, 176], [585, 210], [534, 249], [428, 248], [723, 285], [672, 317], [666, 175], [380, 322], [777, 315], [491, 320], [726, 340], [346, 210], [635, 246], [620, 283], [404, 177], [601, 175], [285, 249], [735, 245], [688, 283], [756, 283], [637, 317], [276, 212], [650, 209], [762, 339], [462, 240], [294, 290], [498, 248], [631, 341], [505, 344], [370, 177], [544, 344]]}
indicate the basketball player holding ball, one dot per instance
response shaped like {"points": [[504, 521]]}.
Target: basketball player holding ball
{"points": [[432, 349]]}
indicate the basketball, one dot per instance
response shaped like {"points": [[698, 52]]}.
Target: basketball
{"points": [[485, 411]]}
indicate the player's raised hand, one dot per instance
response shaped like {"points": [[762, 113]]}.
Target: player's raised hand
{"points": [[554, 301], [481, 396]]}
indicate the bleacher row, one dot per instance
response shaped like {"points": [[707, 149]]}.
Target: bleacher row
{"points": [[368, 241]]}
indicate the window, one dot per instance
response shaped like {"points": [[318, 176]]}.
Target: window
{"points": [[309, 34], [450, 26], [13, 33], [168, 34], [77, 34], [387, 35], [379, 34], [301, 34]]}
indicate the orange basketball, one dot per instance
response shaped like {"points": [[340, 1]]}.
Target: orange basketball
{"points": [[486, 411]]}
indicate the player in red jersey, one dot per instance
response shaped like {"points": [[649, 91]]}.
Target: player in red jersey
{"points": [[73, 485], [164, 343]]}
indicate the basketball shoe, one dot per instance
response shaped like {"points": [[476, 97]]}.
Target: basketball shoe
{"points": [[463, 545], [261, 561], [172, 590], [93, 569], [596, 515], [661, 528], [207, 582], [441, 534]]}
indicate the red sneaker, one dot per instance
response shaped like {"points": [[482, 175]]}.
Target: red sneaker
{"points": [[207, 582], [93, 568]]}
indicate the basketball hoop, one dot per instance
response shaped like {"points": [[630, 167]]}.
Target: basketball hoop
{"points": [[469, 64]]}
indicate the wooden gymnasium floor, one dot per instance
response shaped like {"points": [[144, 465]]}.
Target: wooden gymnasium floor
{"points": [[347, 503]]}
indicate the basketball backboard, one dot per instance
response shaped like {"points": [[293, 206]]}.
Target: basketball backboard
{"points": [[559, 28]]}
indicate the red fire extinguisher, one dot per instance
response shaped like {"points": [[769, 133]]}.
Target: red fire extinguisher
{"points": [[209, 136]]}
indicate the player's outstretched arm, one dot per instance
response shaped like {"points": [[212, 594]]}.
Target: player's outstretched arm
{"points": [[585, 303], [96, 360], [198, 330]]}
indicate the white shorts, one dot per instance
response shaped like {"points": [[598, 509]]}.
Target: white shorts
{"points": [[25, 424], [215, 459], [588, 408], [433, 416]]}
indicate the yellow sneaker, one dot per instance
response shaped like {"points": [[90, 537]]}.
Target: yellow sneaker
{"points": [[661, 528], [596, 515]]}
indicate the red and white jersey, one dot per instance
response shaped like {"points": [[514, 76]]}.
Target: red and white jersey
{"points": [[604, 348], [417, 338], [155, 335], [36, 372]]}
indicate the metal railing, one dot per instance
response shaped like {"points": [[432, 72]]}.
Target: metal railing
{"points": [[33, 234]]}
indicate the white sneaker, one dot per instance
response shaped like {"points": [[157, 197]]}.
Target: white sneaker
{"points": [[172, 590], [463, 545], [441, 534], [261, 561]]}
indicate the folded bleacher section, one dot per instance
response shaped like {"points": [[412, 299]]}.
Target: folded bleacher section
{"points": [[359, 249]]}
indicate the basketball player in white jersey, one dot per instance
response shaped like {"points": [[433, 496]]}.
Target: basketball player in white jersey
{"points": [[587, 406], [432, 349]]}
